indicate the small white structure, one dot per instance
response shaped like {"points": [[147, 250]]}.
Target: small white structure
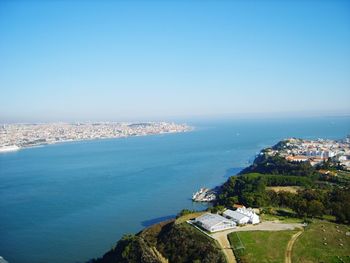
{"points": [[239, 218], [242, 216], [214, 222], [9, 148]]}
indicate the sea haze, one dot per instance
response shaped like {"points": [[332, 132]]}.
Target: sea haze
{"points": [[71, 202]]}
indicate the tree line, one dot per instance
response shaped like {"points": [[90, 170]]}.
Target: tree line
{"points": [[250, 190]]}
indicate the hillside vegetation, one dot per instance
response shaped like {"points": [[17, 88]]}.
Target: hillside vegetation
{"points": [[278, 165], [318, 196], [165, 242], [284, 191]]}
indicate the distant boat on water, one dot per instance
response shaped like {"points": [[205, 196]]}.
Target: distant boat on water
{"points": [[204, 195], [10, 148]]}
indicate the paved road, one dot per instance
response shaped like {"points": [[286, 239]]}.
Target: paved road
{"points": [[226, 248], [288, 258]]}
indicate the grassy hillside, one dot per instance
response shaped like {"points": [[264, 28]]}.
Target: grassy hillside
{"points": [[165, 242], [131, 249], [265, 164], [289, 189], [321, 242], [183, 243], [260, 246]]}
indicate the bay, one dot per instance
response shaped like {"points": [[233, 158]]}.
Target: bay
{"points": [[71, 202]]}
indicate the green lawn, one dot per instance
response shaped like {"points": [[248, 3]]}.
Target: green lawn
{"points": [[311, 247], [261, 246], [285, 215], [186, 217], [344, 174]]}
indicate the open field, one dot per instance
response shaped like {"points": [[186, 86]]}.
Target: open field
{"points": [[282, 219], [290, 189], [187, 217], [321, 242], [261, 246], [284, 215], [343, 173]]}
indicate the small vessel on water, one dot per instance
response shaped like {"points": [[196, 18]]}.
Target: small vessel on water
{"points": [[204, 195], [196, 194], [9, 148]]}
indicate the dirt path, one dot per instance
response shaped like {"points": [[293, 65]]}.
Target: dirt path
{"points": [[263, 226], [226, 248], [288, 258], [222, 238]]}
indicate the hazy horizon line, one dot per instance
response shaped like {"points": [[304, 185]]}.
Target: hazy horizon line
{"points": [[236, 116]]}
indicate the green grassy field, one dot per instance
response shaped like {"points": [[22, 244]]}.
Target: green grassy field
{"points": [[311, 247], [184, 218], [290, 189], [285, 215], [261, 246], [345, 174]]}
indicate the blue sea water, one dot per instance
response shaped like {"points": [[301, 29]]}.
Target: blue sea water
{"points": [[71, 202]]}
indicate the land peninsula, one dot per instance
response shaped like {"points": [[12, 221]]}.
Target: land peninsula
{"points": [[299, 188], [16, 136]]}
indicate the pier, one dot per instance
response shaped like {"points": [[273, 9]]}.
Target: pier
{"points": [[204, 195]]}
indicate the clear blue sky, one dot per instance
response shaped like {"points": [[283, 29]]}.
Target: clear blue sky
{"points": [[119, 60]]}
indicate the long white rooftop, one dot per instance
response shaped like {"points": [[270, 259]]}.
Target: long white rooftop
{"points": [[210, 220]]}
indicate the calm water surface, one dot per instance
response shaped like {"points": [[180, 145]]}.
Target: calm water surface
{"points": [[71, 202]]}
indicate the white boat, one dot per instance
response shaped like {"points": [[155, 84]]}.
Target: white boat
{"points": [[204, 195], [2, 260], [10, 148], [196, 194]]}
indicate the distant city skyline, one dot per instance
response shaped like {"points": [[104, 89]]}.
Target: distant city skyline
{"points": [[154, 60]]}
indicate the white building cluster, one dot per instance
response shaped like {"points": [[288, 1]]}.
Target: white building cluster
{"points": [[14, 136], [314, 151], [242, 216], [229, 219]]}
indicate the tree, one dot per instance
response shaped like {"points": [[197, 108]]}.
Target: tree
{"points": [[315, 208], [340, 203], [300, 207]]}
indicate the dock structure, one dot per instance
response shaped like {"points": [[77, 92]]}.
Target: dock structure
{"points": [[204, 195]]}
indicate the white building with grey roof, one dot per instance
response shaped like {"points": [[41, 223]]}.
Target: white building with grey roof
{"points": [[237, 217], [242, 216], [214, 222]]}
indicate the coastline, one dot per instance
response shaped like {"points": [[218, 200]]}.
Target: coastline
{"points": [[191, 129], [202, 158], [12, 148], [247, 178]]}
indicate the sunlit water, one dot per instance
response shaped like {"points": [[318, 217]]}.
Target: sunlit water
{"points": [[71, 202]]}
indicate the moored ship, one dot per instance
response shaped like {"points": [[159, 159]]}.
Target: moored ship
{"points": [[204, 195]]}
